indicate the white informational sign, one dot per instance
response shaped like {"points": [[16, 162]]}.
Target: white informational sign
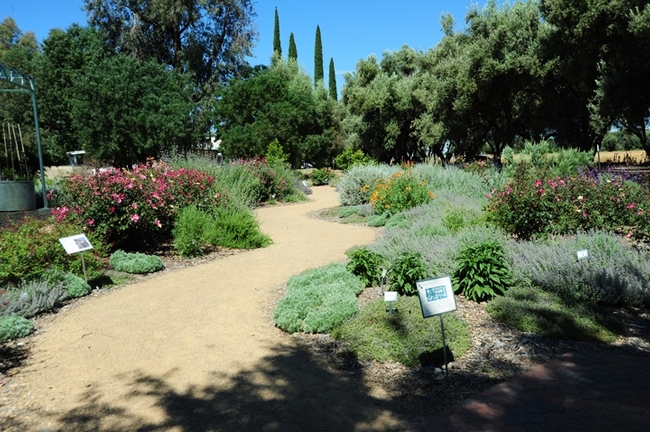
{"points": [[582, 254], [75, 243], [390, 296], [436, 296]]}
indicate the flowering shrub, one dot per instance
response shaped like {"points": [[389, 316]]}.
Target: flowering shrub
{"points": [[531, 204], [402, 191], [135, 208]]}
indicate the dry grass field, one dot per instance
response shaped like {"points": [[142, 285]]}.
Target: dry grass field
{"points": [[633, 157]]}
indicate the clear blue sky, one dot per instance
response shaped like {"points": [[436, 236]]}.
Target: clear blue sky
{"points": [[350, 29]]}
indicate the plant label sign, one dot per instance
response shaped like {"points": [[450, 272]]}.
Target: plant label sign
{"points": [[582, 254], [76, 243], [436, 296], [390, 296]]}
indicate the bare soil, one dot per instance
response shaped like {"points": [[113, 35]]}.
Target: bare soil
{"points": [[194, 348]]}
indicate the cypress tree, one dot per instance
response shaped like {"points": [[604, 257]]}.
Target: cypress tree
{"points": [[293, 51], [318, 58], [332, 86], [277, 47]]}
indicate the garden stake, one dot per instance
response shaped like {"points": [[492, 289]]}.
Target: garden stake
{"points": [[444, 348], [83, 265]]}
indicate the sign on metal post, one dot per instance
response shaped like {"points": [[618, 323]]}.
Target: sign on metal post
{"points": [[582, 254], [75, 244], [437, 298], [390, 297]]}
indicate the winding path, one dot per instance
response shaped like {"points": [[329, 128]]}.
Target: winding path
{"points": [[196, 349]]}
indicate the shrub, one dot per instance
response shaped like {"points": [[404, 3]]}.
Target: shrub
{"points": [[533, 310], [538, 157], [406, 338], [482, 272], [32, 297], [358, 183], [275, 181], [532, 205], [235, 228], [30, 247], [347, 211], [137, 207], [350, 157], [378, 220], [14, 327], [275, 154], [321, 176], [366, 265], [318, 300], [135, 263], [614, 274], [227, 227], [402, 191], [73, 285], [458, 182], [405, 271]]}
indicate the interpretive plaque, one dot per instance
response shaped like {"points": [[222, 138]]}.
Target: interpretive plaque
{"points": [[436, 296]]}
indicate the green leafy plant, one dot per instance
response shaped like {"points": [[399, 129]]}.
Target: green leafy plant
{"points": [[321, 176], [188, 231], [405, 271], [351, 157], [73, 285], [30, 247], [318, 300], [402, 191], [366, 265], [405, 337], [14, 327], [482, 272], [235, 228], [29, 298], [275, 153], [135, 263]]}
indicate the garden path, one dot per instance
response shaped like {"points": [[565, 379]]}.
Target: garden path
{"points": [[196, 349]]}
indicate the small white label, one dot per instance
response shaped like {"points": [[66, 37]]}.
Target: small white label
{"points": [[75, 243], [383, 273], [390, 296], [582, 254]]}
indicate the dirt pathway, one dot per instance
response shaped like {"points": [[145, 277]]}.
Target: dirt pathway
{"points": [[196, 349]]}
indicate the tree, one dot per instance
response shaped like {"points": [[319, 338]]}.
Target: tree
{"points": [[277, 46], [333, 92], [278, 104], [319, 74], [209, 39], [293, 51]]}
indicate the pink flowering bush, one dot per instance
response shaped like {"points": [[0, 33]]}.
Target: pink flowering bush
{"points": [[532, 204], [133, 209]]}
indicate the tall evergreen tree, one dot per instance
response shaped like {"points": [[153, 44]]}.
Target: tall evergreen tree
{"points": [[293, 51], [318, 58], [277, 46], [332, 86]]}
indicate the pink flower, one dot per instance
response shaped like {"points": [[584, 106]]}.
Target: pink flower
{"points": [[640, 212], [158, 224], [630, 206], [111, 209], [134, 205], [90, 221], [628, 235], [538, 183], [135, 217], [489, 196]]}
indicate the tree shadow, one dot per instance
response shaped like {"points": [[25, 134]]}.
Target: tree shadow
{"points": [[287, 391], [12, 355]]}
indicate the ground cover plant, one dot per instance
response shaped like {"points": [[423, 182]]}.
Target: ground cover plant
{"points": [[318, 300], [405, 337], [135, 263]]}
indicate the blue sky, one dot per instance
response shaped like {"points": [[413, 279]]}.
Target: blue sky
{"points": [[350, 29]]}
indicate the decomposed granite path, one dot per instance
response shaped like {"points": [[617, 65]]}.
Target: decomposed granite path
{"points": [[196, 349]]}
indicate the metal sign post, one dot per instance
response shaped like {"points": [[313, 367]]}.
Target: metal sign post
{"points": [[390, 297], [437, 298]]}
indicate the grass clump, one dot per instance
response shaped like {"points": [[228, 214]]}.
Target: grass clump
{"points": [[230, 227], [135, 263], [318, 300], [531, 309], [14, 327], [405, 338]]}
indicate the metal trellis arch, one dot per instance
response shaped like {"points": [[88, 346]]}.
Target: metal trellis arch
{"points": [[25, 83]]}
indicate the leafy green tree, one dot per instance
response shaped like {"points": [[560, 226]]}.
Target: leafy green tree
{"points": [[278, 104], [210, 39], [293, 51], [277, 46], [333, 92], [319, 74]]}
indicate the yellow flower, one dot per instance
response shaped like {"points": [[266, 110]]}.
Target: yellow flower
{"points": [[431, 195], [387, 206], [408, 188]]}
